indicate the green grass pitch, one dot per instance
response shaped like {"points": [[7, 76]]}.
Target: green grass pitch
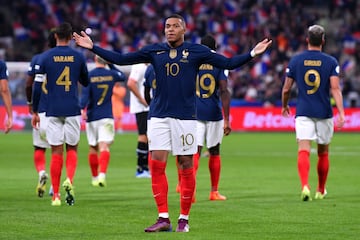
{"points": [[259, 177]]}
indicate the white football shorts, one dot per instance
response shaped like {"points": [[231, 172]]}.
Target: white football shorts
{"points": [[319, 130], [39, 135], [101, 130], [210, 132], [63, 130], [175, 135]]}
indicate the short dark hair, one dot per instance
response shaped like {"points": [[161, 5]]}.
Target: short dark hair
{"points": [[51, 38], [64, 31], [178, 17], [316, 35], [209, 41]]}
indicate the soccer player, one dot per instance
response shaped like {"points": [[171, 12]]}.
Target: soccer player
{"points": [[173, 114], [211, 86], [140, 108], [100, 130], [316, 75], [6, 95], [39, 135], [64, 68]]}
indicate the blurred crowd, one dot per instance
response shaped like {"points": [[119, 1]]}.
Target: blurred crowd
{"points": [[237, 25]]}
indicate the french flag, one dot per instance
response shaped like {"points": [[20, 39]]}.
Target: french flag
{"points": [[260, 68], [149, 9], [214, 26], [93, 19], [199, 7], [347, 65], [189, 22], [21, 33], [109, 35], [230, 25], [349, 44], [261, 16], [230, 9]]}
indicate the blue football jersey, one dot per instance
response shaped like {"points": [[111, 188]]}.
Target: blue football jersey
{"points": [[176, 70], [311, 70], [150, 82], [208, 106], [64, 68], [33, 67], [4, 74], [97, 96]]}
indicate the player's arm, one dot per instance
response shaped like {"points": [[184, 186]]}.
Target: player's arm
{"points": [[36, 94], [28, 90], [121, 77], [84, 100], [132, 85], [6, 96], [223, 62], [84, 74], [225, 101], [30, 81], [149, 79], [147, 96], [83, 40], [337, 95], [285, 96]]}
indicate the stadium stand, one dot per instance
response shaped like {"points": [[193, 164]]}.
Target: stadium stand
{"points": [[124, 25]]}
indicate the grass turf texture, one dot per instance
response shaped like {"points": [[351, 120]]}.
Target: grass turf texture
{"points": [[259, 177]]}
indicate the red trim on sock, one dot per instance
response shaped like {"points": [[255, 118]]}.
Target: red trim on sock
{"points": [[214, 168], [159, 185], [39, 160], [304, 167], [104, 160]]}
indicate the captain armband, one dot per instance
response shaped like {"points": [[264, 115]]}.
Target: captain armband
{"points": [[40, 77]]}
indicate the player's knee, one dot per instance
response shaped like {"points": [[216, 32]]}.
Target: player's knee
{"points": [[215, 150]]}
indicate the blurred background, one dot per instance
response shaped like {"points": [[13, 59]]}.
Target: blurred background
{"points": [[123, 26]]}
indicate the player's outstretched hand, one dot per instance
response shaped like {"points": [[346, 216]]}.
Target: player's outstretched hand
{"points": [[261, 47], [83, 40]]}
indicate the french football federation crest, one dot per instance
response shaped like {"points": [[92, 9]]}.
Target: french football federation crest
{"points": [[173, 53], [185, 53]]}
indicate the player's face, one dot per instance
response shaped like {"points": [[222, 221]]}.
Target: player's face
{"points": [[174, 31]]}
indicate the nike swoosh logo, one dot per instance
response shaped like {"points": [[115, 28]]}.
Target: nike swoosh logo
{"points": [[156, 195], [185, 197], [161, 52]]}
